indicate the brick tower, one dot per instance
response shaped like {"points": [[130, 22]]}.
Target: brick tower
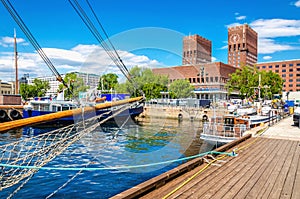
{"points": [[196, 50], [242, 46]]}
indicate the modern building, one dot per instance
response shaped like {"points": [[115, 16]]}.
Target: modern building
{"points": [[242, 46], [53, 83], [91, 80], [289, 70], [196, 50], [208, 79]]}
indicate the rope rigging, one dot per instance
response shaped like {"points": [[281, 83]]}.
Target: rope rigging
{"points": [[39, 150], [108, 47], [9, 7]]}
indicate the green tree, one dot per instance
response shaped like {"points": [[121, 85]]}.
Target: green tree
{"points": [[37, 89], [181, 88], [145, 80], [41, 87], [108, 81], [246, 82], [75, 85]]}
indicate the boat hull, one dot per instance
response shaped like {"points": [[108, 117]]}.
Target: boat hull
{"points": [[102, 114]]}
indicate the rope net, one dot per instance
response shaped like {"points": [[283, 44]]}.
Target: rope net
{"points": [[38, 150]]}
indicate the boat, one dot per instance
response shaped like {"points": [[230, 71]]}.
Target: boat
{"points": [[230, 127], [44, 106], [246, 111]]}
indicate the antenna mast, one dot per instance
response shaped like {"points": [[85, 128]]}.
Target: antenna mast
{"points": [[16, 63]]}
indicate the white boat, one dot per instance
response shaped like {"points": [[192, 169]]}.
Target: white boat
{"points": [[232, 127], [246, 111]]}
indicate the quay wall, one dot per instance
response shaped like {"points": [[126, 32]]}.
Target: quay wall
{"points": [[181, 112]]}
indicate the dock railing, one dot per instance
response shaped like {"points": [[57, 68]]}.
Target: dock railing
{"points": [[224, 130]]}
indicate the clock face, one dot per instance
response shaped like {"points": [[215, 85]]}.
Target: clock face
{"points": [[234, 38]]}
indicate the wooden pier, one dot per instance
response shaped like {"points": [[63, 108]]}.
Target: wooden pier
{"points": [[264, 168]]}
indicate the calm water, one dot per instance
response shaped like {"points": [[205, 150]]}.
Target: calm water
{"points": [[149, 141]]}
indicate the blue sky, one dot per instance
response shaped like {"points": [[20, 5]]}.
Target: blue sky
{"points": [[146, 33]]}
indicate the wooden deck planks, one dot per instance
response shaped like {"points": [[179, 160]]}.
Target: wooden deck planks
{"points": [[162, 191], [248, 182], [200, 185], [218, 180], [237, 181], [268, 186], [265, 175], [296, 192], [269, 168], [290, 178]]}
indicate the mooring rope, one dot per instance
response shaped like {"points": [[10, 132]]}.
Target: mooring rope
{"points": [[117, 167], [211, 162]]}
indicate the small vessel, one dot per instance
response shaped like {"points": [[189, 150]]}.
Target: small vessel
{"points": [[44, 106], [224, 129], [231, 127]]}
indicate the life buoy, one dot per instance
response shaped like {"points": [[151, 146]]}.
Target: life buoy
{"points": [[180, 117], [205, 118], [3, 116], [15, 114]]}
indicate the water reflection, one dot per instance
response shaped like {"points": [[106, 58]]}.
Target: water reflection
{"points": [[146, 142]]}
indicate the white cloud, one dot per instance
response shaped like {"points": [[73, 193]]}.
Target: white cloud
{"points": [[233, 24], [84, 58], [267, 57], [224, 47], [213, 59], [240, 18], [271, 28], [9, 41], [297, 4], [268, 46], [236, 13]]}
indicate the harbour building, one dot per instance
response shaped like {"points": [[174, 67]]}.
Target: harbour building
{"points": [[242, 46], [289, 71], [196, 50]]}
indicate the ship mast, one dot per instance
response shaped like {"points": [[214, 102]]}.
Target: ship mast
{"points": [[16, 63]]}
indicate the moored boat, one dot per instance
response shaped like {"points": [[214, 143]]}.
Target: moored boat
{"points": [[46, 106]]}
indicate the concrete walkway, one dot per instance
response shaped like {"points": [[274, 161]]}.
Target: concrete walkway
{"points": [[285, 129]]}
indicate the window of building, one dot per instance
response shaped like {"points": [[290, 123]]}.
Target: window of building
{"points": [[207, 79], [290, 75], [298, 64], [276, 71], [290, 80], [284, 85], [257, 67], [277, 66], [216, 79], [290, 85], [190, 80], [211, 79], [298, 69], [283, 65], [283, 75], [291, 70], [297, 85], [270, 66], [283, 70], [263, 66], [198, 80], [298, 75], [298, 80], [291, 65]]}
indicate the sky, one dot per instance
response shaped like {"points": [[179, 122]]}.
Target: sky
{"points": [[145, 33]]}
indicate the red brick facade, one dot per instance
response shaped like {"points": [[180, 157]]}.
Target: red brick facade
{"points": [[196, 50], [242, 46], [289, 71], [206, 78]]}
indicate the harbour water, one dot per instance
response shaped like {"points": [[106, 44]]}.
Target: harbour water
{"points": [[146, 142]]}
